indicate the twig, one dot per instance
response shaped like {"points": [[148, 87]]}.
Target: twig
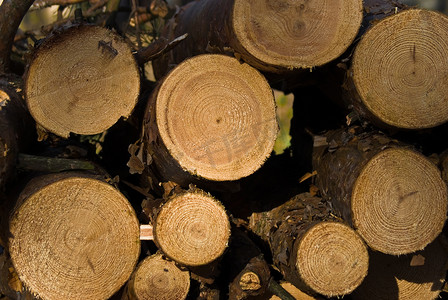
{"points": [[279, 291], [137, 27], [157, 49], [11, 14], [97, 5]]}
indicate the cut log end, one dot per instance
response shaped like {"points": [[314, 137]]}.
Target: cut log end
{"points": [[82, 80], [296, 34], [399, 69], [192, 228], [332, 259], [418, 275], [75, 238], [399, 202], [217, 117], [157, 278]]}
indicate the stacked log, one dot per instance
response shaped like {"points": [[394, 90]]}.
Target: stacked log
{"points": [[312, 250], [81, 80], [273, 36], [211, 118], [392, 195], [157, 278], [397, 78], [73, 237]]}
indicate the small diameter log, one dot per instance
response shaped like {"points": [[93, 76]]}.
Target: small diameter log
{"points": [[158, 279], [73, 237], [398, 73], [82, 80], [420, 275], [191, 228], [271, 35], [210, 118], [392, 195], [313, 252]]}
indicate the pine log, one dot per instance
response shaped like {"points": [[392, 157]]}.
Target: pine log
{"points": [[191, 227], [414, 276], [391, 194], [312, 250], [398, 74], [73, 237], [15, 124], [81, 80], [273, 36], [211, 118], [159, 279]]}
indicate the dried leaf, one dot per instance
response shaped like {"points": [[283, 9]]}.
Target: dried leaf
{"points": [[417, 260], [13, 281]]}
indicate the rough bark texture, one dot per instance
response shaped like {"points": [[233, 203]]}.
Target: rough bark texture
{"points": [[11, 14], [64, 234], [294, 232], [251, 29], [14, 126], [373, 181]]}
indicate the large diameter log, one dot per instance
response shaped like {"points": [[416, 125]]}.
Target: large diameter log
{"points": [[392, 195], [420, 275], [398, 74], [313, 252], [274, 36], [157, 278], [73, 237], [192, 228], [210, 118], [82, 80]]}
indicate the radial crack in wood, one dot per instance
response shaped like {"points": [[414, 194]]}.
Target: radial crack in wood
{"points": [[82, 80], [192, 228], [399, 71], [73, 238], [212, 118], [157, 278]]}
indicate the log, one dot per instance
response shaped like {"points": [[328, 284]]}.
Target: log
{"points": [[191, 227], [15, 124], [414, 276], [81, 80], [273, 36], [391, 194], [212, 119], [397, 77], [157, 278], [73, 236], [312, 250]]}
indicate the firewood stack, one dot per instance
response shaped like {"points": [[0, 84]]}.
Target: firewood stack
{"points": [[170, 189]]}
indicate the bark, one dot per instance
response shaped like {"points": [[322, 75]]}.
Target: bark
{"points": [[251, 30], [11, 14], [297, 234], [211, 120], [157, 278], [81, 80], [16, 127], [64, 231], [190, 226], [372, 181]]}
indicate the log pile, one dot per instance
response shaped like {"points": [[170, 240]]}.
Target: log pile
{"points": [[113, 186]]}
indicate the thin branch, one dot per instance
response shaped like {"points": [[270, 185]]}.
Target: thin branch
{"points": [[157, 49], [96, 5], [11, 14], [137, 27], [39, 4]]}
